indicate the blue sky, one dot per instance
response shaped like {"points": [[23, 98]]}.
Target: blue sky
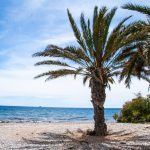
{"points": [[27, 26]]}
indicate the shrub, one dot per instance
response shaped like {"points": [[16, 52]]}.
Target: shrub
{"points": [[115, 116], [135, 111]]}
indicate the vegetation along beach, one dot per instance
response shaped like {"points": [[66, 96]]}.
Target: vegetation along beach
{"points": [[95, 60]]}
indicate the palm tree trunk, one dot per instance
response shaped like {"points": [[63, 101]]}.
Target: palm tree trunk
{"points": [[148, 58], [98, 99]]}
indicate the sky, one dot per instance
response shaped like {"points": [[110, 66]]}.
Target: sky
{"points": [[28, 26]]}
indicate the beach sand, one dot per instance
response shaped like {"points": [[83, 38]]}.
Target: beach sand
{"points": [[71, 136]]}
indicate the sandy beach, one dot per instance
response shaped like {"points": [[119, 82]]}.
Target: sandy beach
{"points": [[64, 136]]}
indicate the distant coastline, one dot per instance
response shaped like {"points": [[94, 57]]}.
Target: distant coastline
{"points": [[56, 107]]}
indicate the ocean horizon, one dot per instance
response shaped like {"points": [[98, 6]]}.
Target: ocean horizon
{"points": [[21, 114]]}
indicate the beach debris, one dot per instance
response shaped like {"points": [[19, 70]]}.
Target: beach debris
{"points": [[80, 131], [69, 132], [90, 132]]}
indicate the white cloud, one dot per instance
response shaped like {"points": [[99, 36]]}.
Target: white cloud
{"points": [[20, 83], [58, 39], [61, 92]]}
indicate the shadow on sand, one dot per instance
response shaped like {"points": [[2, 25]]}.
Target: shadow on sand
{"points": [[114, 141]]}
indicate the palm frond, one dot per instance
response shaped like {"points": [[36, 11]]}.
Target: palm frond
{"points": [[85, 79], [139, 8], [76, 31], [100, 31], [115, 33], [108, 18], [129, 66], [128, 35], [52, 62], [79, 54], [87, 35], [58, 73], [57, 52], [145, 78]]}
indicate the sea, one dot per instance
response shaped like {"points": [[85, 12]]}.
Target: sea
{"points": [[19, 114]]}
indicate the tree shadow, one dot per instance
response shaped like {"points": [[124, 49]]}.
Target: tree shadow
{"points": [[54, 141], [80, 141], [128, 140], [121, 140]]}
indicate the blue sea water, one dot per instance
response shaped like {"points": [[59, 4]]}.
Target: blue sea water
{"points": [[47, 114]]}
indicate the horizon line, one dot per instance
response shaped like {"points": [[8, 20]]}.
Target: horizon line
{"points": [[57, 107]]}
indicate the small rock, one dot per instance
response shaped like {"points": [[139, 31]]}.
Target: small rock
{"points": [[44, 133], [122, 142], [83, 141], [71, 147]]}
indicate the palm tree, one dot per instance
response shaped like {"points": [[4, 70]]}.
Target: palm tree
{"points": [[146, 47], [96, 57]]}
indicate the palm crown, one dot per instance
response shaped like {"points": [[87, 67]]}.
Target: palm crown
{"points": [[100, 54], [140, 59]]}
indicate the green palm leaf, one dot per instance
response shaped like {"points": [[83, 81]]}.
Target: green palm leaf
{"points": [[76, 31], [52, 62], [59, 73], [134, 7]]}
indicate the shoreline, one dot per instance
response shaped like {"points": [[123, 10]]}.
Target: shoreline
{"points": [[72, 134], [47, 122]]}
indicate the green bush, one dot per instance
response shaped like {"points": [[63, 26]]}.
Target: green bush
{"points": [[135, 111]]}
